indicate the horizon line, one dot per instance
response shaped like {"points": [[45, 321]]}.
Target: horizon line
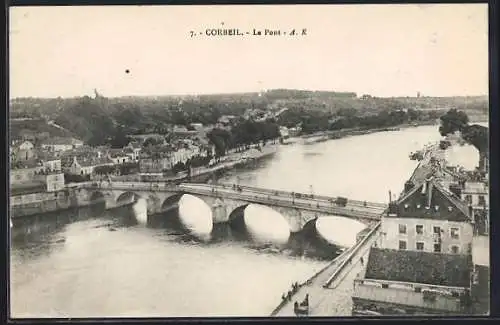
{"points": [[244, 93]]}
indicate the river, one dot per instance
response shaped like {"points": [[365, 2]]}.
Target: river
{"points": [[82, 269]]}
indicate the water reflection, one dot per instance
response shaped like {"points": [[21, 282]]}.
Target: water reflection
{"points": [[266, 225], [333, 230]]}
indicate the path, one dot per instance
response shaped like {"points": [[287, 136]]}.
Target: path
{"points": [[336, 299]]}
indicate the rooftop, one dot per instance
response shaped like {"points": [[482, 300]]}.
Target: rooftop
{"points": [[430, 200], [419, 267], [61, 141], [94, 161], [26, 164]]}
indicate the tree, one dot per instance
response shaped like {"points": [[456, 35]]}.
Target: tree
{"points": [[477, 136], [120, 139], [453, 121], [220, 139], [151, 142], [104, 170]]}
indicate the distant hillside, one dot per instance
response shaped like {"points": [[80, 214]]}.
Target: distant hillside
{"points": [[18, 128], [97, 120]]}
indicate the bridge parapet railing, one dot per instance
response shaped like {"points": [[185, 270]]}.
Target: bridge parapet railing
{"points": [[296, 195], [353, 252], [132, 185], [321, 208]]}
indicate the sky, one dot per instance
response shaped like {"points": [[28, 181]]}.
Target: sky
{"points": [[382, 50]]}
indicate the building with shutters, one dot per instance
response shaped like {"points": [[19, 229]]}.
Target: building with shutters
{"points": [[422, 263]]}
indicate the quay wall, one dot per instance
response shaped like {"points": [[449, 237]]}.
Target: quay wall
{"points": [[62, 200]]}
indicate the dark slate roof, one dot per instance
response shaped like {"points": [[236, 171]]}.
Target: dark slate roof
{"points": [[413, 204], [94, 161], [419, 267], [422, 172]]}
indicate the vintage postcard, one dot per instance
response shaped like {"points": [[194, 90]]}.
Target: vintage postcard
{"points": [[241, 161]]}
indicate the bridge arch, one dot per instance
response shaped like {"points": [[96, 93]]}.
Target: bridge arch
{"points": [[310, 225], [236, 215], [127, 197], [236, 218], [171, 201]]}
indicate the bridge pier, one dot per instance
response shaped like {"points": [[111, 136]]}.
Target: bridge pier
{"points": [[219, 212]]}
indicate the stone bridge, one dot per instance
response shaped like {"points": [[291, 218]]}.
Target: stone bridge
{"points": [[226, 201]]}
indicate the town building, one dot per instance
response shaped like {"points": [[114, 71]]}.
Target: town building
{"points": [[26, 174], [476, 195], [58, 144], [422, 262], [87, 166], [23, 151], [50, 161], [36, 190], [133, 150], [118, 156], [428, 218], [184, 153], [155, 166]]}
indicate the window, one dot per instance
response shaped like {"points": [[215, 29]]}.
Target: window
{"points": [[18, 177], [454, 249], [402, 244], [402, 229], [437, 230], [437, 248], [481, 199], [385, 286], [419, 229], [420, 246], [454, 233], [468, 198]]}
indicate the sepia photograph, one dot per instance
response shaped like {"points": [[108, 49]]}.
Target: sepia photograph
{"points": [[249, 161]]}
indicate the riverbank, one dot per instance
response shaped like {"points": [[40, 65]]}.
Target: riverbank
{"points": [[203, 174], [338, 134], [200, 174]]}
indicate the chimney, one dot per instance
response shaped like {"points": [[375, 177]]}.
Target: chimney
{"points": [[429, 193]]}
